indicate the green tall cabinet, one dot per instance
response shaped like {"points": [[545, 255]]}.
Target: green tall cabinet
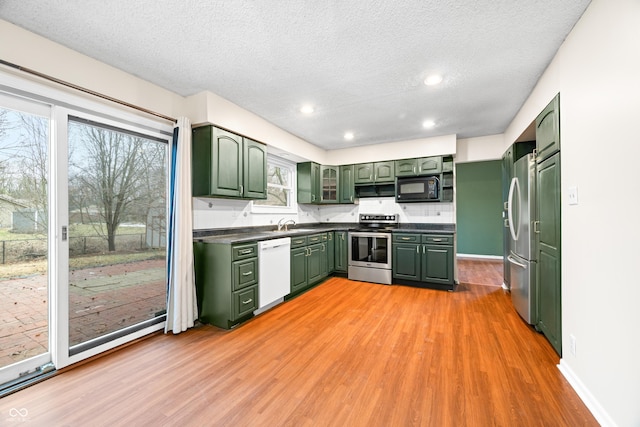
{"points": [[227, 165], [548, 226]]}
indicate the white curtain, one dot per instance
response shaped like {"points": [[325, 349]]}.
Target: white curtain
{"points": [[181, 290]]}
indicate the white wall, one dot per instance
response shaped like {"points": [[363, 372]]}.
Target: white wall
{"points": [[436, 146], [223, 213], [480, 149], [597, 72], [207, 107]]}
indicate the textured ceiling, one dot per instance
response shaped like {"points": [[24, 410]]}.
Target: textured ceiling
{"points": [[360, 63]]}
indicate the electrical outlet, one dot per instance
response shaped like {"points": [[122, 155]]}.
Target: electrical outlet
{"points": [[572, 195], [572, 345]]}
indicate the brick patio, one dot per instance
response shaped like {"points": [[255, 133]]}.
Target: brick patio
{"points": [[102, 299]]}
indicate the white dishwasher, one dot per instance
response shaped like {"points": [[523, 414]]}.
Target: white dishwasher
{"points": [[274, 261]]}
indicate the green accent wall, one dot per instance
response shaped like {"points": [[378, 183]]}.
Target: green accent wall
{"points": [[479, 208]]}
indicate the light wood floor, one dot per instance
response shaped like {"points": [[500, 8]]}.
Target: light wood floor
{"points": [[345, 353]]}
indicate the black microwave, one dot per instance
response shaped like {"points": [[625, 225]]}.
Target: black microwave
{"points": [[418, 189]]}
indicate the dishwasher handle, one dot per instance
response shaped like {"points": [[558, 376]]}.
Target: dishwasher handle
{"points": [[275, 243]]}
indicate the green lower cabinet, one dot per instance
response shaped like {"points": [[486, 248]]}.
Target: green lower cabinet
{"points": [[331, 252], [226, 282], [341, 249], [437, 264], [298, 269], [424, 258], [316, 263], [309, 263], [406, 261]]}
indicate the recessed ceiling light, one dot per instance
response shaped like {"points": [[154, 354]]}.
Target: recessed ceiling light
{"points": [[307, 109], [428, 124], [348, 136], [433, 80]]}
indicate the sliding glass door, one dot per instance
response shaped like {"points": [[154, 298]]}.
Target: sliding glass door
{"points": [[116, 231], [83, 205], [24, 242]]}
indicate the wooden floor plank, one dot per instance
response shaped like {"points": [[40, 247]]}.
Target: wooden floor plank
{"points": [[345, 353]]}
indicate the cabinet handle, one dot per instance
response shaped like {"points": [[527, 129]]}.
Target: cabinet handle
{"points": [[330, 237], [414, 169], [313, 197], [323, 247], [248, 273], [417, 249], [248, 301], [406, 238], [506, 206], [246, 251], [536, 227], [241, 189], [437, 240], [506, 223], [343, 236], [424, 249], [351, 198]]}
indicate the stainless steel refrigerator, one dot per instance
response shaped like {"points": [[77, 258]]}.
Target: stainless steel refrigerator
{"points": [[522, 254]]}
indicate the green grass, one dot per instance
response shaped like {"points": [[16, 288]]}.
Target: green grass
{"points": [[75, 230], [10, 271], [5, 234]]}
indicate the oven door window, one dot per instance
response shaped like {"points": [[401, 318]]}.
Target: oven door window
{"points": [[370, 249]]}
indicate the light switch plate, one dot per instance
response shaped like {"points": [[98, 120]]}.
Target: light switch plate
{"points": [[572, 195]]}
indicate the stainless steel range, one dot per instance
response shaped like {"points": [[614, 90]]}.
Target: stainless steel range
{"points": [[370, 248]]}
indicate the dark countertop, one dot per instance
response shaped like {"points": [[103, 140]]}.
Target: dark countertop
{"points": [[253, 234]]}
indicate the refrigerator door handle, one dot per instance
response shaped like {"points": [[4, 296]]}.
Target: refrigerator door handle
{"points": [[512, 190], [512, 260]]}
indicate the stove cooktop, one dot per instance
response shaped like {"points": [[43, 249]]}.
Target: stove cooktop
{"points": [[377, 222]]}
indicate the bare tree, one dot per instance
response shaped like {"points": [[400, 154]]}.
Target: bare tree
{"points": [[110, 174], [32, 185]]}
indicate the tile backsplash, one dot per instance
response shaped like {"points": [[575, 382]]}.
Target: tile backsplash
{"points": [[228, 213]]}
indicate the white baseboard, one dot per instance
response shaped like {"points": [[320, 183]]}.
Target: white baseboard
{"points": [[583, 392], [480, 257]]}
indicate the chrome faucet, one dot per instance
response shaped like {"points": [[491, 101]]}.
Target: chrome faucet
{"points": [[284, 224]]}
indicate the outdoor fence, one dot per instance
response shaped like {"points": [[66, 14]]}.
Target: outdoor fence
{"points": [[24, 250]]}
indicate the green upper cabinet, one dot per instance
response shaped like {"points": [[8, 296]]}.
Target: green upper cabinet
{"points": [[375, 173], [254, 182], [329, 184], [406, 167], [363, 173], [419, 166], [227, 165], [308, 182], [429, 165], [548, 130], [321, 184], [346, 182], [384, 171]]}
